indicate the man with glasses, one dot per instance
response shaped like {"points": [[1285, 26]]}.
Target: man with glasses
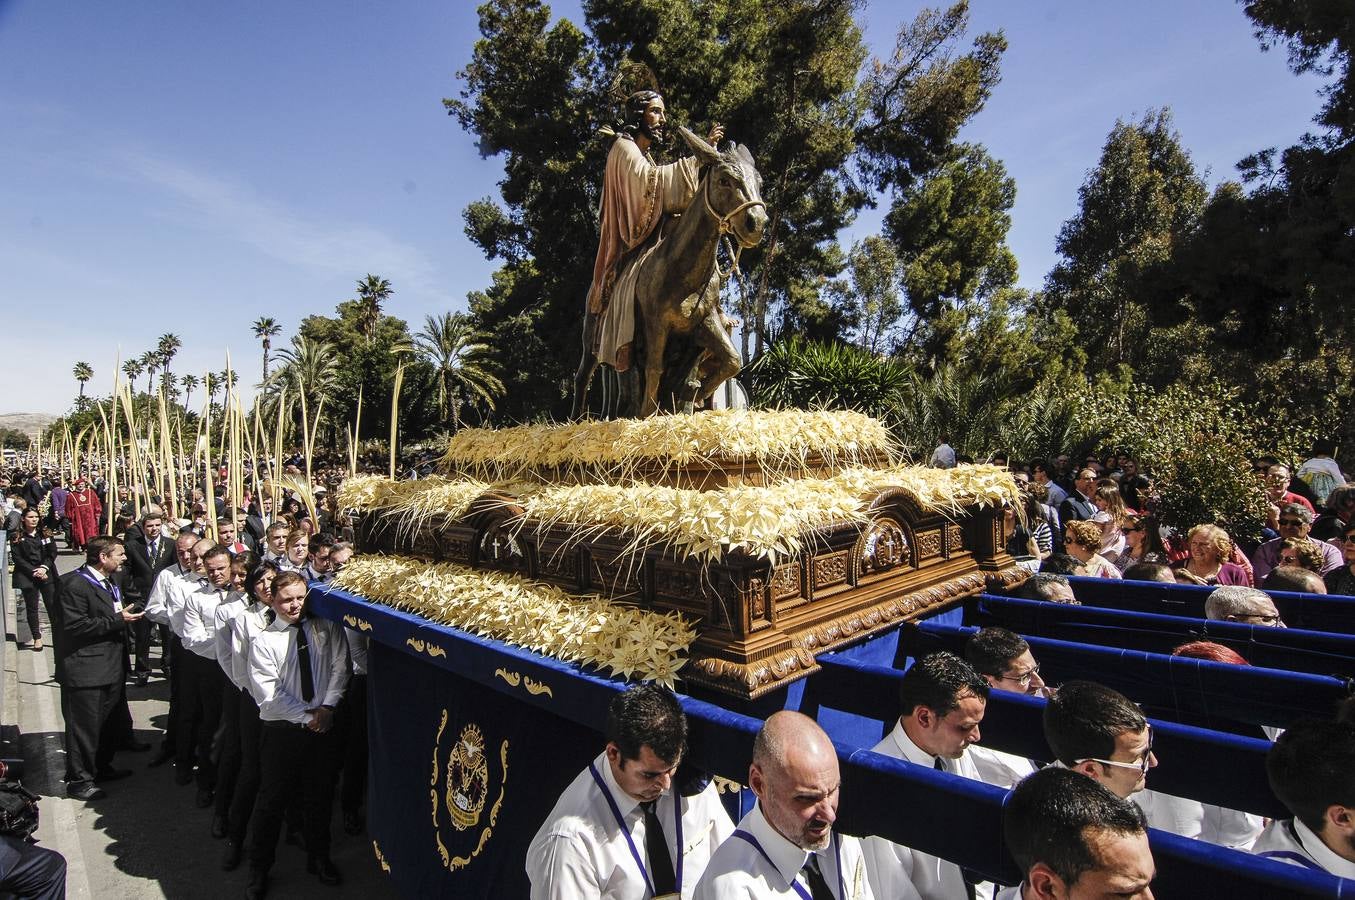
{"points": [[1004, 660], [1342, 580], [1295, 521], [1236, 603], [1099, 732], [1079, 504], [941, 701]]}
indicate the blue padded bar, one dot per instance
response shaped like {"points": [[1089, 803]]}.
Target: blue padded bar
{"points": [[1317, 612], [1197, 763], [1191, 691], [1294, 649]]}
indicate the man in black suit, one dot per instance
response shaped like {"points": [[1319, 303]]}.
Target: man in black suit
{"points": [[91, 648], [1079, 504], [149, 552]]}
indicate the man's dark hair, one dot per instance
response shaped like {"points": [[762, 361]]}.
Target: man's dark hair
{"points": [[1294, 578], [1059, 564], [1040, 585], [98, 546], [1149, 571], [1042, 464], [647, 715], [637, 103], [939, 681], [321, 541], [283, 579], [991, 650], [1311, 767], [1083, 719], [1048, 816]]}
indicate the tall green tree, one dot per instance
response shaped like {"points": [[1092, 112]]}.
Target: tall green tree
{"points": [[1140, 203], [132, 370], [83, 372], [373, 291], [265, 329], [461, 364], [165, 350], [189, 381], [872, 299]]}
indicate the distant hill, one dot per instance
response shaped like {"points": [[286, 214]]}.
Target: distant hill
{"points": [[30, 424]]}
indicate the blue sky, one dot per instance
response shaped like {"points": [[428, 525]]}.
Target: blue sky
{"points": [[191, 166]]}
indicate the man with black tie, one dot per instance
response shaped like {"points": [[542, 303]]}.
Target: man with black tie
{"points": [[149, 553], [91, 648], [298, 671], [1079, 505]]}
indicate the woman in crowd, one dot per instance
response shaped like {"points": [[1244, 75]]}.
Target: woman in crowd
{"points": [[1210, 549], [1342, 580], [298, 549], [1033, 540], [1302, 553], [1083, 541], [34, 554], [1143, 542]]}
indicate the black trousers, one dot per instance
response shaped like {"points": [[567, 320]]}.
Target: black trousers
{"points": [[174, 652], [27, 870], [200, 687], [141, 642], [247, 781], [89, 742], [228, 748], [291, 757], [353, 710], [44, 594]]}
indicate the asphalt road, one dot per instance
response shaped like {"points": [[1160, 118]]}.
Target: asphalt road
{"points": [[146, 839]]}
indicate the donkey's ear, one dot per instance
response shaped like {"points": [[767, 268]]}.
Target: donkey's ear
{"points": [[708, 155]]}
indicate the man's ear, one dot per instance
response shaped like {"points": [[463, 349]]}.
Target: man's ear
{"points": [[707, 154], [1044, 883], [1342, 818], [757, 781]]}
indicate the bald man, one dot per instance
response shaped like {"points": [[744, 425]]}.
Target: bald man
{"points": [[786, 846]]}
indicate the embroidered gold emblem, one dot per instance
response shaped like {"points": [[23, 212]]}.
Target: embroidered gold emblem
{"points": [[467, 779], [462, 786]]}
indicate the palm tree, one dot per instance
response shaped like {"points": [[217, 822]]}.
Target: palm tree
{"points": [[264, 329], [133, 368], [372, 292], [189, 382], [82, 373], [308, 366], [150, 361], [459, 358], [168, 345]]}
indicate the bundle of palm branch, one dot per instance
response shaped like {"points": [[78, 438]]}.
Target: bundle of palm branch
{"points": [[623, 640], [778, 442]]}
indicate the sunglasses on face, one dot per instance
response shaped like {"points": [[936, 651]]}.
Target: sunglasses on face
{"points": [[1348, 539], [1292, 523]]}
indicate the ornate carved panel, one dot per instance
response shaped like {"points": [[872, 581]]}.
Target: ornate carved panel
{"points": [[499, 548], [954, 539], [882, 547], [786, 582], [831, 569], [929, 544]]}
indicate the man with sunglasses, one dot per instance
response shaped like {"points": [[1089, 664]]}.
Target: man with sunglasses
{"points": [[1342, 580], [1295, 521], [1104, 735]]}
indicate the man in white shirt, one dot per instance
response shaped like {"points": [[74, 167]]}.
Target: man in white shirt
{"points": [[1003, 659], [941, 702], [201, 679], [1073, 838], [623, 828], [1311, 768], [786, 846], [943, 457], [164, 606], [276, 543], [241, 628], [298, 671]]}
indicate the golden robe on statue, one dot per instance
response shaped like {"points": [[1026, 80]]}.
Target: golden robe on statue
{"points": [[636, 193]]}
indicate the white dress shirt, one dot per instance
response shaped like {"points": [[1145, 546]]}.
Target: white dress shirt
{"points": [[739, 871], [581, 852], [1202, 821], [165, 604], [221, 625], [999, 768], [275, 680], [1290, 841], [357, 649], [199, 619], [902, 873], [241, 629]]}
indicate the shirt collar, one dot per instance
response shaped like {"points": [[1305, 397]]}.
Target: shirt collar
{"points": [[624, 801], [911, 751], [786, 857], [1323, 855]]}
